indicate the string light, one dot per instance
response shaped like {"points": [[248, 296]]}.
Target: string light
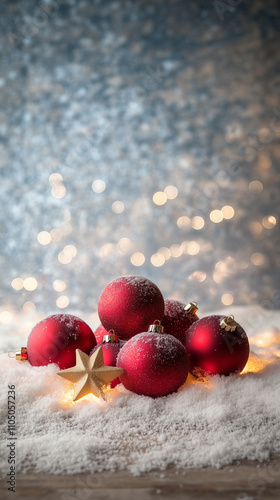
{"points": [[171, 192], [118, 207], [227, 299], [30, 284], [137, 259], [44, 238], [98, 186], [157, 259], [159, 198], [216, 216], [197, 222], [183, 221], [17, 283], [269, 222], [227, 212], [62, 301]]}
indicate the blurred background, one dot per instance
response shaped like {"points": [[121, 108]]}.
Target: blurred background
{"points": [[139, 137]]}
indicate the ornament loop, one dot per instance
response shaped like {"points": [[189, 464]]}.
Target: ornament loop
{"points": [[19, 355], [156, 327], [110, 337], [191, 307], [228, 323]]}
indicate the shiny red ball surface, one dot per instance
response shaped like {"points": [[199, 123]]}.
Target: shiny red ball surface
{"points": [[56, 338], [99, 332], [176, 321], [155, 364], [129, 304], [110, 353], [213, 350]]}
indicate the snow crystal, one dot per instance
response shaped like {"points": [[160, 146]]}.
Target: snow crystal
{"points": [[210, 423]]}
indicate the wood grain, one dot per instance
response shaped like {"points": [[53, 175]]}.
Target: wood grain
{"points": [[243, 481]]}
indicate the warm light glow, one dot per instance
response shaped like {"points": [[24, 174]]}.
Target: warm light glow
{"points": [[197, 222], [197, 276], [269, 221], [165, 252], [62, 301], [55, 235], [58, 191], [157, 259], [30, 284], [66, 228], [44, 238], [256, 186], [159, 198], [227, 299], [171, 192], [227, 212], [183, 221], [71, 250], [118, 207], [255, 227], [28, 307], [216, 216], [106, 249], [256, 364], [125, 245], [98, 186], [64, 258], [17, 283], [5, 317], [257, 259], [264, 160], [176, 250], [59, 285], [55, 178], [137, 259], [191, 247]]}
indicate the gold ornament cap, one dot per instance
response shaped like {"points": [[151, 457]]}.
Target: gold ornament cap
{"points": [[19, 355], [110, 337], [228, 323], [156, 327], [191, 308]]}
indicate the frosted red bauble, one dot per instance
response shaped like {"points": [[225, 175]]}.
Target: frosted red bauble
{"points": [[99, 333], [154, 364], [129, 304], [176, 319], [56, 338], [214, 350], [110, 352]]}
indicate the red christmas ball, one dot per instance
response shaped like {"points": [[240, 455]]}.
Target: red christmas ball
{"points": [[111, 347], [178, 317], [99, 333], [155, 364], [216, 345], [129, 304], [56, 338]]}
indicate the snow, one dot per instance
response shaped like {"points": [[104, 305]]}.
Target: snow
{"points": [[211, 423]]}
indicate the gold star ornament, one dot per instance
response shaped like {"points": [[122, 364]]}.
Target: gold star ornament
{"points": [[90, 374]]}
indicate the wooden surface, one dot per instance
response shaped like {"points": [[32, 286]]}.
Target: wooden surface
{"points": [[243, 481]]}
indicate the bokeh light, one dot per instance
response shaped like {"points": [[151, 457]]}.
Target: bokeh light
{"points": [[98, 186], [159, 198], [137, 259]]}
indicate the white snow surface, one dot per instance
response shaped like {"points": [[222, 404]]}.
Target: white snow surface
{"points": [[207, 423]]}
